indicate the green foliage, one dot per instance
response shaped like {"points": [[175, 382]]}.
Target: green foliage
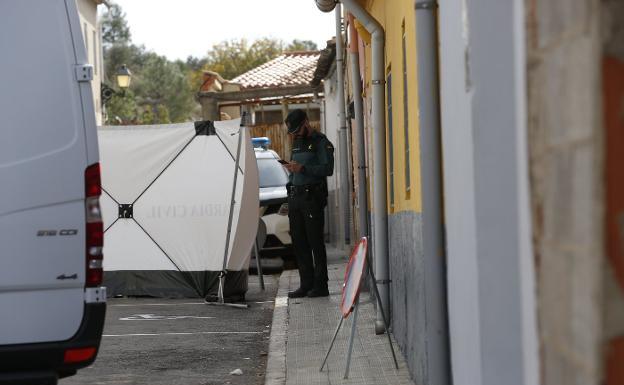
{"points": [[121, 109], [164, 84], [115, 29], [116, 55], [302, 45], [163, 91], [231, 58]]}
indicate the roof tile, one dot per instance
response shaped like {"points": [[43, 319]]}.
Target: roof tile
{"points": [[288, 69]]}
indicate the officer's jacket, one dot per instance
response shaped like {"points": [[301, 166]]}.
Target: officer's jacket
{"points": [[316, 154]]}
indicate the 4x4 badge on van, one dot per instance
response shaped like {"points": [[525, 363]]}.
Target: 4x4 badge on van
{"points": [[63, 276]]}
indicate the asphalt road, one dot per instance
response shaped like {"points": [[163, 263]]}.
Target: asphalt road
{"points": [[183, 341]]}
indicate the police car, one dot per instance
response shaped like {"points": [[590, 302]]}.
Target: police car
{"points": [[273, 206]]}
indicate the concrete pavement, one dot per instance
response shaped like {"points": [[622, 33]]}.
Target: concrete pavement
{"points": [[302, 330], [160, 341]]}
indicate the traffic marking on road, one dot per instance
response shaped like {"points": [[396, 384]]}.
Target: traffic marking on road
{"points": [[171, 304], [174, 334], [154, 317]]}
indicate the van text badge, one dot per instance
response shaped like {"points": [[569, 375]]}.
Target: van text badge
{"points": [[53, 233]]}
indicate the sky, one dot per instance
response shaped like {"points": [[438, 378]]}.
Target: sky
{"points": [[181, 28]]}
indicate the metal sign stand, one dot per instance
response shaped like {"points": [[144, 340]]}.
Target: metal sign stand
{"points": [[260, 239], [354, 310], [258, 264], [223, 273]]}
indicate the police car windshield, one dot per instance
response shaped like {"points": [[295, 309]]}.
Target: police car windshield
{"points": [[271, 173]]}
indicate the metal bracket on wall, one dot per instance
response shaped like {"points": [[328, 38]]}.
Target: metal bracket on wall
{"points": [[84, 72]]}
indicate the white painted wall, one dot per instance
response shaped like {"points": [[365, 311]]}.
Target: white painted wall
{"points": [[459, 190], [92, 36], [329, 125], [491, 297]]}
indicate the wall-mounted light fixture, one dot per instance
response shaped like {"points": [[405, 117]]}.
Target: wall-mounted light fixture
{"points": [[123, 77]]}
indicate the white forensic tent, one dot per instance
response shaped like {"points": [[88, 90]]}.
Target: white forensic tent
{"points": [[166, 202]]}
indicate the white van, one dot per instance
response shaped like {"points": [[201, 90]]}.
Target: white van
{"points": [[51, 304]]}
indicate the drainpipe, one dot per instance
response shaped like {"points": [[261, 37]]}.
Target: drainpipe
{"points": [[431, 171], [358, 133], [342, 133], [380, 212]]}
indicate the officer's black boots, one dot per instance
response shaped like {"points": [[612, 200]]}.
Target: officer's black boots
{"points": [[299, 293], [318, 293]]}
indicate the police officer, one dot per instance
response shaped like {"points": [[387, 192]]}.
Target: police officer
{"points": [[312, 161]]}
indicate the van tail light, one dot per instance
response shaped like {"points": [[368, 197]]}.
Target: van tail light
{"points": [[94, 226], [74, 356]]}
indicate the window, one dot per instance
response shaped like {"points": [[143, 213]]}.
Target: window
{"points": [[406, 119], [271, 173], [390, 137]]}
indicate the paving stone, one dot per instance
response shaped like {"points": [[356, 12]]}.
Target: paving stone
{"points": [[311, 324]]}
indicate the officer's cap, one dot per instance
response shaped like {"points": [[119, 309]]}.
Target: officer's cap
{"points": [[295, 119]]}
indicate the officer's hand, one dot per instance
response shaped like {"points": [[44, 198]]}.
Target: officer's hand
{"points": [[293, 167]]}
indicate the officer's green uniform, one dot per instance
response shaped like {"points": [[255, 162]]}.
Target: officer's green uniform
{"points": [[307, 198]]}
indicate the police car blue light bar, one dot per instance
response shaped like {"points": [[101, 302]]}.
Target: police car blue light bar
{"points": [[261, 142]]}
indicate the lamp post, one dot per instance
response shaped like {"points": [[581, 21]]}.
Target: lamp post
{"points": [[123, 76]]}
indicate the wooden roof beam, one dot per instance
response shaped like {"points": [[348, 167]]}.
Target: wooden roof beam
{"points": [[258, 93]]}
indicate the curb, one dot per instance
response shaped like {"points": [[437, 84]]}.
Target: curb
{"points": [[276, 361]]}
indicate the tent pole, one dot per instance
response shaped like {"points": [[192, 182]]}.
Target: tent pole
{"points": [[231, 216], [222, 274]]}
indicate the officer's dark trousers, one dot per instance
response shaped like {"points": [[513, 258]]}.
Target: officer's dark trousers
{"points": [[306, 216]]}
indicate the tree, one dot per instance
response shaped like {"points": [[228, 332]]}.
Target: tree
{"points": [[122, 109], [115, 28], [163, 91], [131, 55], [302, 45], [164, 87], [194, 64], [231, 58]]}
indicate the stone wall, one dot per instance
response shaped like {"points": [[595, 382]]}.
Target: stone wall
{"points": [[407, 290], [612, 27], [566, 156]]}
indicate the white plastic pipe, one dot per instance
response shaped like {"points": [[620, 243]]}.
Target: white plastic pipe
{"points": [[342, 134], [380, 194], [358, 132], [380, 211]]}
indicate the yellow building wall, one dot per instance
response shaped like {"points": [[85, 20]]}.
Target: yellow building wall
{"points": [[392, 15]]}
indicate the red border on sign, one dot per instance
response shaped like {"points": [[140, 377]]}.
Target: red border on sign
{"points": [[346, 304]]}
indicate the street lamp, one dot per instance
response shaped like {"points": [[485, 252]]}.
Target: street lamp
{"points": [[123, 76]]}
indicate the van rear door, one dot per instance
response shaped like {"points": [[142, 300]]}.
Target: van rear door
{"points": [[44, 114]]}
